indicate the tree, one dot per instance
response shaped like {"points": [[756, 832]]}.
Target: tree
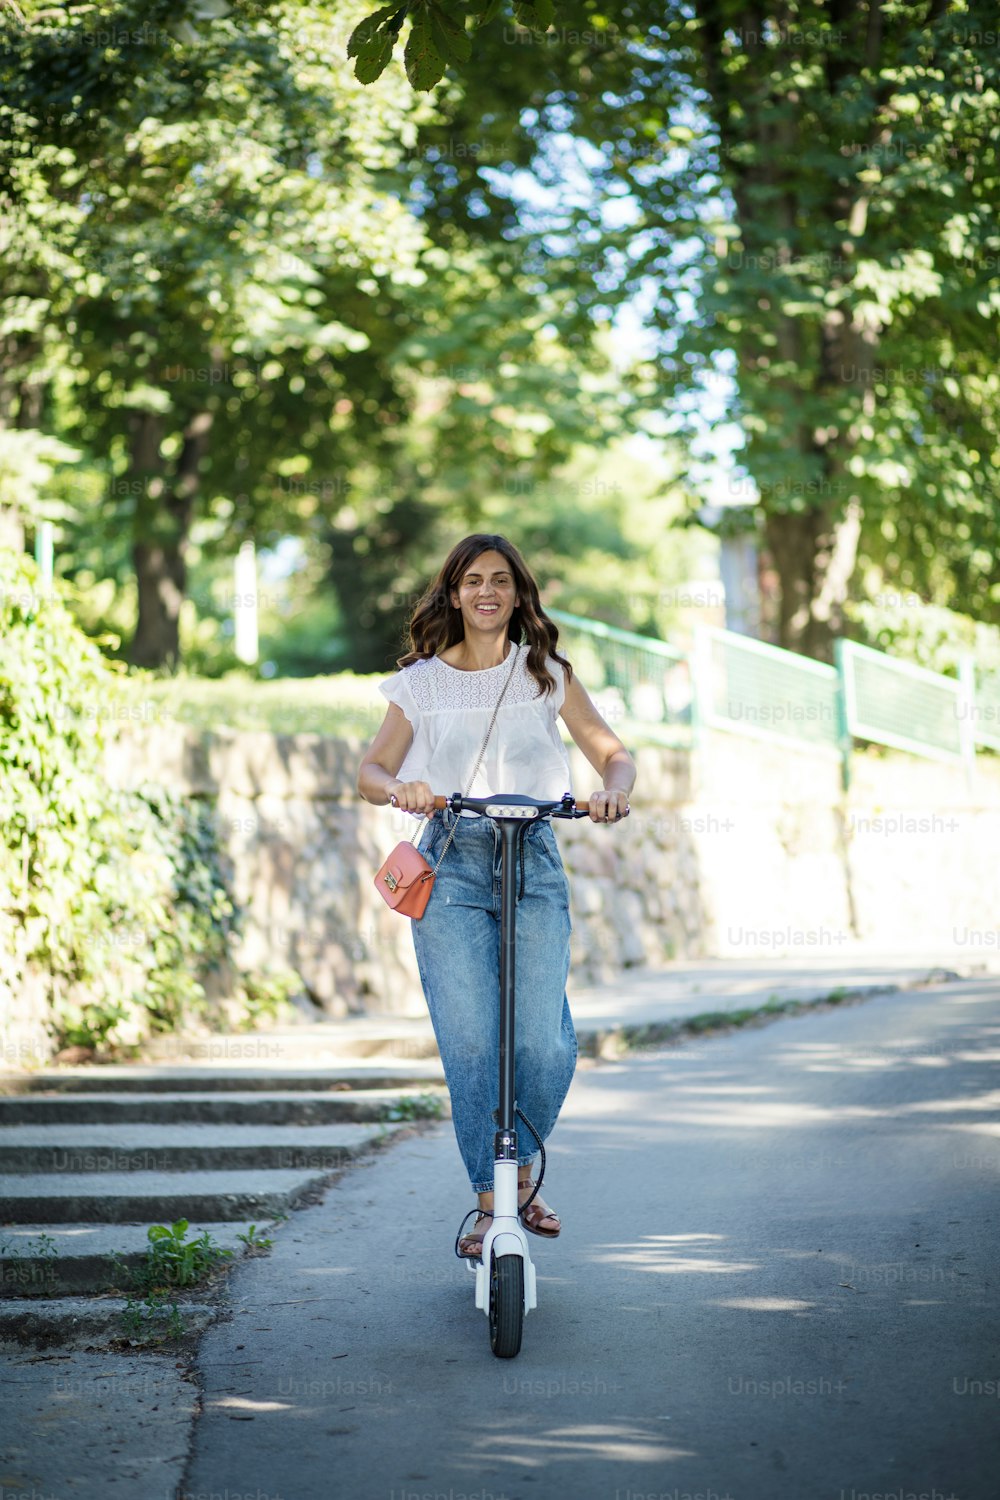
{"points": [[811, 201], [228, 255], [251, 295]]}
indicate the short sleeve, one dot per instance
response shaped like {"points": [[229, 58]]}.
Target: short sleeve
{"points": [[397, 689], [557, 697]]}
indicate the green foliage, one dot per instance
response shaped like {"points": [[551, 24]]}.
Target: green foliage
{"points": [[265, 997], [804, 202], [415, 1107], [173, 1260], [925, 634], [28, 460], [437, 37], [253, 1240], [142, 1318], [340, 705], [243, 286], [117, 895]]}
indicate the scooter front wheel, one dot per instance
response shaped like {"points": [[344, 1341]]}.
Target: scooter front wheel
{"points": [[506, 1305]]}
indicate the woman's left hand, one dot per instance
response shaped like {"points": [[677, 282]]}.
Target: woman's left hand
{"points": [[608, 807]]}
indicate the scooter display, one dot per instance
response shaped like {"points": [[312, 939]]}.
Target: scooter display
{"points": [[505, 1276]]}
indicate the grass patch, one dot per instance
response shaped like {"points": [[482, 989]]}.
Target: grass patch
{"points": [[343, 705], [414, 1107], [173, 1260], [347, 704], [660, 1034]]}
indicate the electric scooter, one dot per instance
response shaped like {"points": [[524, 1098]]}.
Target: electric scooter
{"points": [[505, 1276]]}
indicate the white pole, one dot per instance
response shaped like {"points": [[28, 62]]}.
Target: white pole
{"points": [[45, 553], [245, 604], [966, 707]]}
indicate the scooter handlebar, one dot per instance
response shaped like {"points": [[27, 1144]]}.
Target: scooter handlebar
{"points": [[441, 803]]}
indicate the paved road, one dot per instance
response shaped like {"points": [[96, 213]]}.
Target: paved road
{"points": [[777, 1281]]}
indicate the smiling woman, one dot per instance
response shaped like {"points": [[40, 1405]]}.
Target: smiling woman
{"points": [[483, 653]]}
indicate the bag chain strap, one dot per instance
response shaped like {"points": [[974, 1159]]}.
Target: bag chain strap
{"points": [[479, 757]]}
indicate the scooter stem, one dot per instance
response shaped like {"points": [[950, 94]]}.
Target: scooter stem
{"points": [[506, 1136]]}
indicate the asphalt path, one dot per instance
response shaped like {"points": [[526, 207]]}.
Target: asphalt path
{"points": [[777, 1280]]}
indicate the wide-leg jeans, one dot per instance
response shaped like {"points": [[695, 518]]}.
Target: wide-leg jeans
{"points": [[457, 943]]}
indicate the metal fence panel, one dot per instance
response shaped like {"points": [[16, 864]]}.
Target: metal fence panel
{"points": [[748, 687], [985, 711], [745, 686], [896, 703], [633, 678]]}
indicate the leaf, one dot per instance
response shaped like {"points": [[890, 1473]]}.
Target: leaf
{"points": [[490, 11], [450, 37], [371, 65], [368, 35], [537, 15], [424, 63]]}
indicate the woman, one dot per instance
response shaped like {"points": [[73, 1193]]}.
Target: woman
{"points": [[479, 632]]}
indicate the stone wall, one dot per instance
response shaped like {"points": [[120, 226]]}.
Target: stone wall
{"points": [[304, 850], [742, 850], [905, 860], [745, 849], [923, 853]]}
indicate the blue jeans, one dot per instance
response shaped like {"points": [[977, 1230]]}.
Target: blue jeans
{"points": [[457, 942]]}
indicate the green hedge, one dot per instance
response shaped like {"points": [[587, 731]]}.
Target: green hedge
{"points": [[118, 898]]}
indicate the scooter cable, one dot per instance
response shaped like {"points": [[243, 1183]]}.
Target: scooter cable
{"points": [[541, 1175], [485, 1212]]}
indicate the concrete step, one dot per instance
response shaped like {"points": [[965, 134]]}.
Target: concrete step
{"points": [[402, 1039], [55, 1260], [198, 1078], [156, 1197], [255, 1107], [82, 1322], [70, 1149]]}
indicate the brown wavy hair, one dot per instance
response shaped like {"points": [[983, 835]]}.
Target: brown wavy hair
{"points": [[435, 624]]}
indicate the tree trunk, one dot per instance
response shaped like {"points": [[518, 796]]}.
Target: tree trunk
{"points": [[813, 553], [813, 546], [163, 515], [373, 612]]}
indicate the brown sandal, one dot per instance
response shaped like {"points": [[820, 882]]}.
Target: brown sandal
{"points": [[470, 1246], [532, 1216]]}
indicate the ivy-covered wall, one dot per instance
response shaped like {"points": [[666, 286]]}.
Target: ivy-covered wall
{"points": [[116, 907]]}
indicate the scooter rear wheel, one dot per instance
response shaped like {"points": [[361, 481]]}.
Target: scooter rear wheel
{"points": [[506, 1305]]}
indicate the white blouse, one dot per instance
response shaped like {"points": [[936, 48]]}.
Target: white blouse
{"points": [[450, 711]]}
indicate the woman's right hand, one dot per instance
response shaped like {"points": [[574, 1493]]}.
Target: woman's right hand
{"points": [[413, 796]]}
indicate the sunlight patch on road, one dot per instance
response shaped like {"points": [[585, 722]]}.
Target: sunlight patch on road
{"points": [[678, 1253], [767, 1112], [764, 1304], [720, 1088], [989, 1101], [625, 1444], [240, 1403]]}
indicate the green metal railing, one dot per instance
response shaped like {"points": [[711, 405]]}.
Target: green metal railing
{"points": [[908, 707], [744, 686], [765, 692], [984, 711], [632, 678]]}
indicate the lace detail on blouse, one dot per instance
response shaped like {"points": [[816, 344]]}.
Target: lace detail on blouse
{"points": [[438, 688]]}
